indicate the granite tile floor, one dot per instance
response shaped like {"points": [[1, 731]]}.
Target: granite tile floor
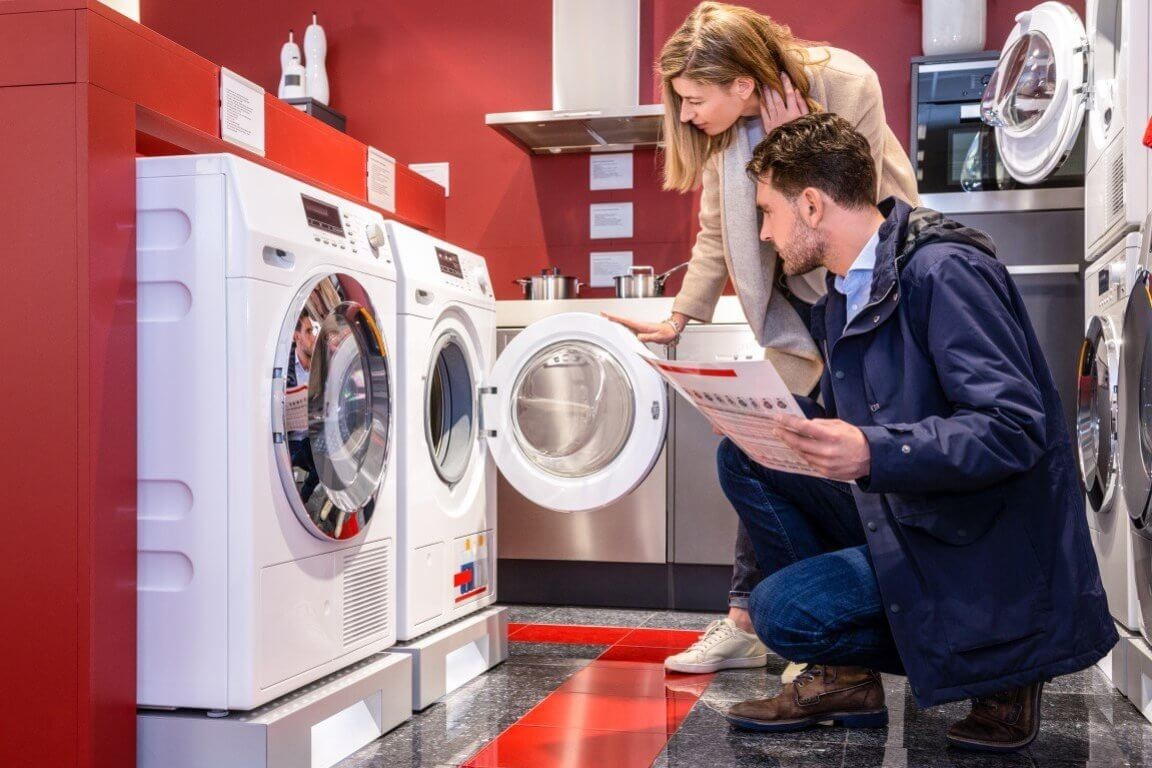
{"points": [[1085, 722]]}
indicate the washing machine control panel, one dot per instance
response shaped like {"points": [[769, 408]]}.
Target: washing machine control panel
{"points": [[463, 271], [346, 228], [1109, 285]]}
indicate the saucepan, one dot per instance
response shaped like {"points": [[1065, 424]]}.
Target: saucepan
{"points": [[643, 282], [549, 284]]}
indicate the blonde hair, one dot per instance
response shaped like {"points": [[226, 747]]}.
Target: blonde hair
{"points": [[716, 44]]}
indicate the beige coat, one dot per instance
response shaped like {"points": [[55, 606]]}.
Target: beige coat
{"points": [[728, 243]]}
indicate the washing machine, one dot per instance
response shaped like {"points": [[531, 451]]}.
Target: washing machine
{"points": [[1100, 422], [267, 483], [569, 412], [1055, 78], [1136, 447]]}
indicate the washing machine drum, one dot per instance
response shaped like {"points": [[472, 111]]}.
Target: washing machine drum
{"points": [[1136, 393], [1096, 413], [332, 408]]}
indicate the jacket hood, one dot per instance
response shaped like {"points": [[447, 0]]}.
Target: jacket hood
{"points": [[919, 227]]}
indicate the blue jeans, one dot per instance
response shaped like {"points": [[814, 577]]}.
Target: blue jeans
{"points": [[818, 601], [745, 572]]}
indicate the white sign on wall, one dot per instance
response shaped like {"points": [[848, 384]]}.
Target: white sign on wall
{"points": [[130, 8], [437, 172], [605, 265], [381, 180], [610, 220], [612, 171], [241, 112]]}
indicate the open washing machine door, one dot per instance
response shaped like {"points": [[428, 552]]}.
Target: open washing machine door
{"points": [[332, 407], [1097, 416], [1037, 95], [573, 416]]}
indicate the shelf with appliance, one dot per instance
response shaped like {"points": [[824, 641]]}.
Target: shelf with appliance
{"points": [[177, 94]]}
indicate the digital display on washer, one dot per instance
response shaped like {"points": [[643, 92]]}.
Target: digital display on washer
{"points": [[1102, 282], [449, 263], [322, 216]]}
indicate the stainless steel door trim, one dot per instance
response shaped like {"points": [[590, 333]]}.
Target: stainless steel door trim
{"points": [[1044, 269], [1008, 200]]}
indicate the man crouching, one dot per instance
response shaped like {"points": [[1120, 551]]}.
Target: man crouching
{"points": [[960, 556]]}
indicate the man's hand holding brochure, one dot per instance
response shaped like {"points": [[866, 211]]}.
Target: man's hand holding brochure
{"points": [[747, 401]]}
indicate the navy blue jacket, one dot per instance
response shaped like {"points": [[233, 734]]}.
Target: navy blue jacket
{"points": [[973, 509]]}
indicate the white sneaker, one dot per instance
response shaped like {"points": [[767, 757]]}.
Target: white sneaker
{"points": [[791, 672], [722, 646]]}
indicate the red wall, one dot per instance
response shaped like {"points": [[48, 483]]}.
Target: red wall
{"points": [[416, 77]]}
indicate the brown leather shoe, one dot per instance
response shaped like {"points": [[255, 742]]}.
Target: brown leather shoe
{"points": [[849, 696], [1005, 722]]}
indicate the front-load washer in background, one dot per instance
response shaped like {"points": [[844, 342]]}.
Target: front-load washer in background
{"points": [[1100, 421], [447, 530], [266, 548], [1136, 444], [570, 413], [1053, 73]]}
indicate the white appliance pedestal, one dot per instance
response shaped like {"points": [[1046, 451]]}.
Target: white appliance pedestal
{"points": [[446, 659], [1115, 664], [314, 727]]}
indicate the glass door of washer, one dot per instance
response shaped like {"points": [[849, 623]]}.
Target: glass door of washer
{"points": [[1038, 92], [579, 418], [450, 424], [331, 407], [1097, 420]]}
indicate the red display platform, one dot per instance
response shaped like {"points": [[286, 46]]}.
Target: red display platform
{"points": [[83, 91]]}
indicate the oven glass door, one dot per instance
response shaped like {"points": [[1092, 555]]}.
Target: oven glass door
{"points": [[958, 153]]}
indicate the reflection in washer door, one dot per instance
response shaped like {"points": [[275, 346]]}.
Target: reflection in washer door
{"points": [[1096, 417], [331, 407], [1137, 393]]}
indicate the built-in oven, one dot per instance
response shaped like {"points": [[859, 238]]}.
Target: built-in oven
{"points": [[952, 150]]}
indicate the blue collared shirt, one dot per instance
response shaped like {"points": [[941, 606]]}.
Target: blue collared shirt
{"points": [[856, 286]]}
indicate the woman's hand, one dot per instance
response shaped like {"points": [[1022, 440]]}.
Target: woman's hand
{"points": [[655, 333], [776, 110]]}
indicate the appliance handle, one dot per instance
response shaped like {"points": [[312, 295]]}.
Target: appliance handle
{"points": [[1044, 269]]}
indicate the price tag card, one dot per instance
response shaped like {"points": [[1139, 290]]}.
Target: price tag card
{"points": [[241, 112]]}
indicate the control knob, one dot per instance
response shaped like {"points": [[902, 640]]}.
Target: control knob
{"points": [[375, 236]]}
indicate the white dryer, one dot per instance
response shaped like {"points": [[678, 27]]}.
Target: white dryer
{"points": [[1052, 74], [569, 412], [1100, 422], [266, 331]]}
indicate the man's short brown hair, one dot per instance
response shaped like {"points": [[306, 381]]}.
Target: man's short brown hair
{"points": [[819, 150]]}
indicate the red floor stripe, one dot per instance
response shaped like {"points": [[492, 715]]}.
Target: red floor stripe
{"points": [[575, 635], [618, 711]]}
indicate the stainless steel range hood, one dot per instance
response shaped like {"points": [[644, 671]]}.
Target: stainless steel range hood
{"points": [[595, 85]]}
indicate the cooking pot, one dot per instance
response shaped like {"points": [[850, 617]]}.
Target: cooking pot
{"points": [[643, 282], [549, 284]]}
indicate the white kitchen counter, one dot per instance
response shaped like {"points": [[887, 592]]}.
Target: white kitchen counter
{"points": [[521, 313]]}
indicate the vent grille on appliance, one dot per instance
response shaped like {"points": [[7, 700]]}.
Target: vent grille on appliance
{"points": [[1114, 195], [366, 608]]}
